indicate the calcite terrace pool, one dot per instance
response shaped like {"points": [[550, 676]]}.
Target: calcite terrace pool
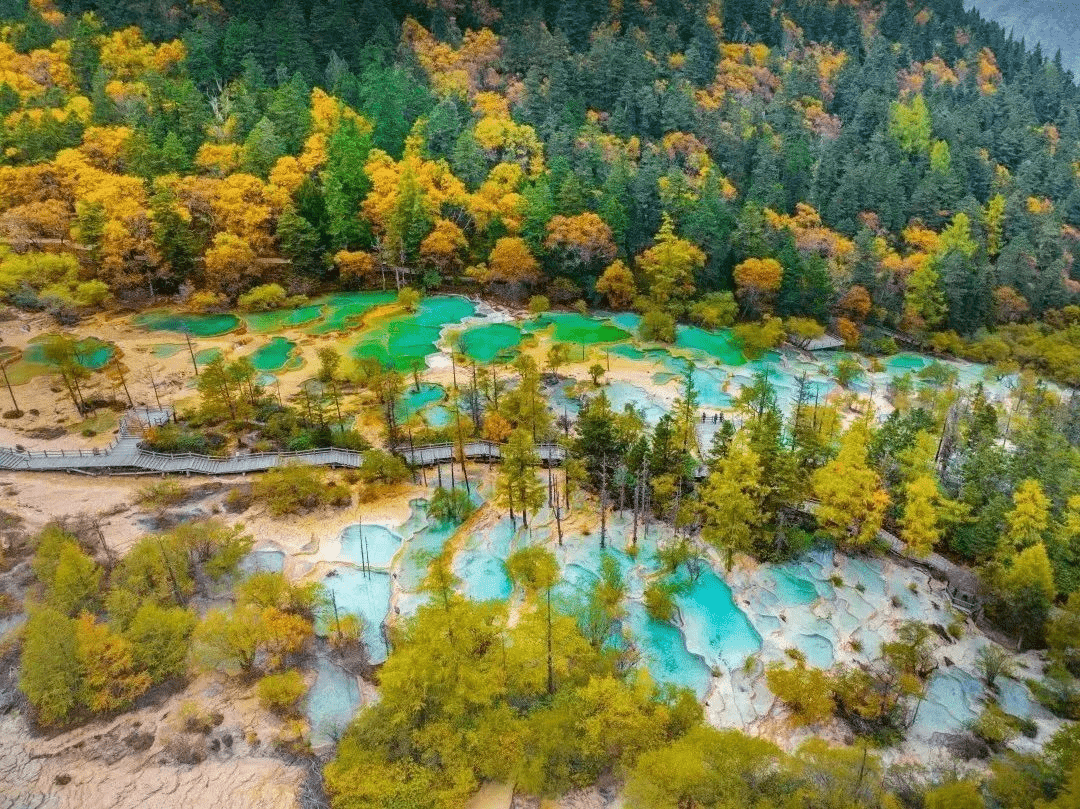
{"points": [[728, 627], [281, 344]]}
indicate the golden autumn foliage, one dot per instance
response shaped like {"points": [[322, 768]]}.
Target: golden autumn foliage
{"points": [[851, 500], [434, 183], [847, 331], [1009, 305], [230, 264], [32, 74], [497, 199], [127, 55], [354, 266], [855, 303], [511, 262], [219, 159], [585, 237], [454, 71], [617, 285], [757, 280], [442, 248], [812, 236], [504, 140]]}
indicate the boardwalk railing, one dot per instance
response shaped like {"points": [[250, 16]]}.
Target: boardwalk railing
{"points": [[125, 456]]}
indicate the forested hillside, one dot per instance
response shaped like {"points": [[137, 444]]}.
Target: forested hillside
{"points": [[1049, 26], [877, 167]]}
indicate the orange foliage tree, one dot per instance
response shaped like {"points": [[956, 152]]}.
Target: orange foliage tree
{"points": [[511, 262], [617, 285], [757, 280]]}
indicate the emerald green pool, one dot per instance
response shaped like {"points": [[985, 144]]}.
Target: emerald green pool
{"points": [[629, 351], [207, 356], [496, 341], [413, 400], [718, 344], [197, 325], [90, 352], [263, 322], [906, 362], [572, 327], [345, 308], [404, 340], [274, 355]]}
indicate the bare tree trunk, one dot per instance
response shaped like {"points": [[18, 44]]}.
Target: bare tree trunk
{"points": [[191, 351], [603, 505], [153, 384], [11, 393], [558, 514], [123, 381], [637, 506], [461, 447]]}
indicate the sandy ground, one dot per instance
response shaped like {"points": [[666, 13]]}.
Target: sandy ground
{"points": [[145, 758]]}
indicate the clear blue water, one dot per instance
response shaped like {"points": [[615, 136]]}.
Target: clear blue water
{"points": [[381, 544], [665, 654], [791, 588], [817, 649], [366, 595], [953, 698], [483, 577], [713, 626], [437, 416], [627, 321], [710, 386], [413, 401], [419, 550], [331, 703], [1015, 698], [620, 394]]}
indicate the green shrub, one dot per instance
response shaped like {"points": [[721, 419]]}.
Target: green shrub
{"points": [[280, 692], [161, 495], [994, 726], [268, 297], [659, 601], [291, 489], [196, 719], [450, 505], [657, 325], [382, 467], [806, 691]]}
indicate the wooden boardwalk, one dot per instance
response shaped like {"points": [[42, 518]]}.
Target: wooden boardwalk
{"points": [[125, 457]]}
